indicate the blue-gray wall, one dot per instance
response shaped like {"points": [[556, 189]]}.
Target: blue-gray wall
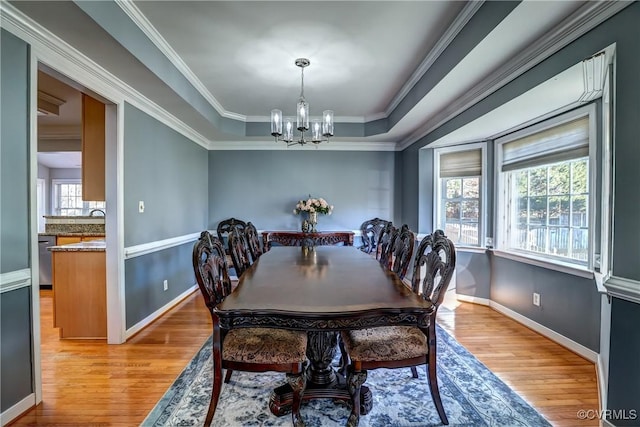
{"points": [[570, 304], [16, 376], [169, 173], [624, 370], [264, 186]]}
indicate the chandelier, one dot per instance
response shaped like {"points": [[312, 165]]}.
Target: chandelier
{"points": [[282, 127]]}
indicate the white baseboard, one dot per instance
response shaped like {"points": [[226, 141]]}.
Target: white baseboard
{"points": [[579, 349], [18, 409], [475, 300], [159, 312]]}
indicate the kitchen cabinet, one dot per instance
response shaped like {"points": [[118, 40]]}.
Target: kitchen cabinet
{"points": [[80, 294], [66, 240], [93, 149]]}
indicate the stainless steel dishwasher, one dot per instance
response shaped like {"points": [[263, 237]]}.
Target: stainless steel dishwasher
{"points": [[44, 242]]}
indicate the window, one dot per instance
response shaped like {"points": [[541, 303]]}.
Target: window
{"points": [[550, 208], [67, 196], [459, 193], [544, 206]]}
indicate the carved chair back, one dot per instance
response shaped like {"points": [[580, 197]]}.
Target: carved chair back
{"points": [[225, 227], [436, 258], [402, 251], [239, 251], [370, 231], [211, 270], [253, 241], [385, 244]]}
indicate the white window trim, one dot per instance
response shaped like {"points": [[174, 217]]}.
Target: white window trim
{"points": [[437, 190], [500, 217]]}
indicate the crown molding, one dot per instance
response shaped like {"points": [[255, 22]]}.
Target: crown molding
{"points": [[585, 19], [441, 45], [328, 146], [60, 55], [161, 43]]}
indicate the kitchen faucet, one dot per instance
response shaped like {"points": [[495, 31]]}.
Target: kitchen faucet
{"points": [[96, 211]]}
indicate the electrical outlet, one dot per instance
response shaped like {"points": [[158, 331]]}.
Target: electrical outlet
{"points": [[536, 299], [141, 206], [165, 285]]}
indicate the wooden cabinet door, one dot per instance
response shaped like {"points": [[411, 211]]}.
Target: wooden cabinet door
{"points": [[93, 149], [66, 240]]}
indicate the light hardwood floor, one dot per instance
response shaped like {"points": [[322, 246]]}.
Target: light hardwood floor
{"points": [[90, 383]]}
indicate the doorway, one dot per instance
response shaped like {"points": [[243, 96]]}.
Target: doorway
{"points": [[56, 154]]}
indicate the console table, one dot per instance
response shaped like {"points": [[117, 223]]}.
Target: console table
{"points": [[298, 238]]}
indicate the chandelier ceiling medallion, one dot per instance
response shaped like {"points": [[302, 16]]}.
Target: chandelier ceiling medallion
{"points": [[282, 127]]}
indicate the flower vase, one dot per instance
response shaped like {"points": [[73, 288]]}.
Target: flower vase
{"points": [[313, 221]]}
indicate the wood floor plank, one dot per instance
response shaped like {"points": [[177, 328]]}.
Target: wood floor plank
{"points": [[90, 383]]}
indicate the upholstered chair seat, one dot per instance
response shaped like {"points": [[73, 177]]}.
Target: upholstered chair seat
{"points": [[385, 343], [264, 345]]}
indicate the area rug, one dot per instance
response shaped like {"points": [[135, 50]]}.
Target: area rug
{"points": [[471, 394]]}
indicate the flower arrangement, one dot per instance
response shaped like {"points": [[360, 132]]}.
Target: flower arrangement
{"points": [[312, 205]]}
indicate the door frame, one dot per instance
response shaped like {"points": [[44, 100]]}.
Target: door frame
{"points": [[80, 70]]}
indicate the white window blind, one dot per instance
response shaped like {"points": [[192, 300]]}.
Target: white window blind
{"points": [[564, 142], [461, 163]]}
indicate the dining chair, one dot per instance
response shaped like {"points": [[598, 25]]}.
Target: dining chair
{"points": [[239, 251], [370, 231], [253, 241], [245, 349], [402, 251], [225, 227], [385, 244], [405, 346]]}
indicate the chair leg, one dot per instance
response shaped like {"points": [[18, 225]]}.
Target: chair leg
{"points": [[227, 376], [435, 391], [344, 357], [217, 386], [414, 372], [298, 383], [355, 379]]}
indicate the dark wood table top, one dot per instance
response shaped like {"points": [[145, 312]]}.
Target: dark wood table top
{"points": [[321, 288]]}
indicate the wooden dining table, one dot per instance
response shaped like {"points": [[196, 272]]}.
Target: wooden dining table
{"points": [[321, 290]]}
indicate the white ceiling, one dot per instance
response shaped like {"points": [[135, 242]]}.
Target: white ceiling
{"points": [[366, 58]]}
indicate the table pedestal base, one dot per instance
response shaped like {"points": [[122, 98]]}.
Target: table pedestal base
{"points": [[323, 382], [281, 398]]}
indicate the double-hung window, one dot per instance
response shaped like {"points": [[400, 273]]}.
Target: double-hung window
{"points": [[545, 197], [67, 198], [459, 193]]}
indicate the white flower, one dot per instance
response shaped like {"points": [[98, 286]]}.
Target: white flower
{"points": [[311, 209]]}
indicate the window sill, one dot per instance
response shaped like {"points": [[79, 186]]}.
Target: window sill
{"points": [[471, 249], [545, 263]]}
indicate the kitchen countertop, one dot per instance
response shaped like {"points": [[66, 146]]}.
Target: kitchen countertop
{"points": [[88, 246]]}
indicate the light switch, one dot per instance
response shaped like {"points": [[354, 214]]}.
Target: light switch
{"points": [[141, 206]]}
